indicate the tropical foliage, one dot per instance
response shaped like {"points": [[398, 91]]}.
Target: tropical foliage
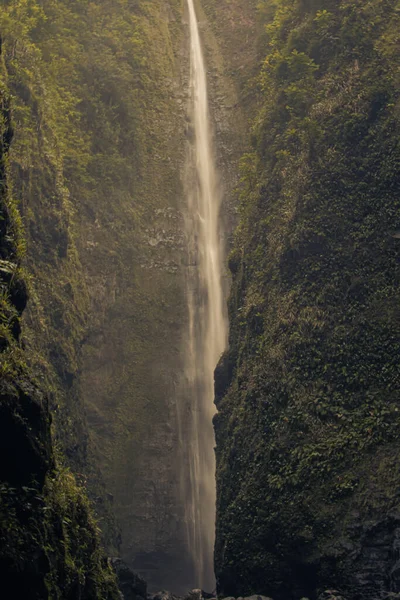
{"points": [[307, 430]]}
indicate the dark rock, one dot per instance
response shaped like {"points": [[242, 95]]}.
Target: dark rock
{"points": [[222, 377], [256, 597], [198, 594], [331, 595], [132, 586], [24, 434], [162, 596], [195, 594], [19, 294], [206, 595]]}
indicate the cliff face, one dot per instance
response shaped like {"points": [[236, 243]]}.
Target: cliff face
{"points": [[49, 540], [133, 361], [307, 429], [100, 95], [308, 394], [99, 121]]}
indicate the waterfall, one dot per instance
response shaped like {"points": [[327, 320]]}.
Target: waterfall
{"points": [[207, 333]]}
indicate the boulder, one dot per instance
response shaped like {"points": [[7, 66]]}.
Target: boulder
{"points": [[331, 595], [198, 594], [162, 596], [132, 586], [257, 597]]}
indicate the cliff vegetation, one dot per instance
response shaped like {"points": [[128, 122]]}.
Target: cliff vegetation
{"points": [[93, 169], [308, 394], [50, 544]]}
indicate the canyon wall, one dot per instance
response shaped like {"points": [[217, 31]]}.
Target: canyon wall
{"points": [[50, 545], [100, 124], [306, 93], [100, 101], [308, 393]]}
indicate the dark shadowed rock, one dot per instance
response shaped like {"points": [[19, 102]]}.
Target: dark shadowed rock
{"points": [[257, 598], [162, 596], [206, 595], [331, 595], [197, 594], [131, 585]]}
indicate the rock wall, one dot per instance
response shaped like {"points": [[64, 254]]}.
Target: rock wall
{"points": [[307, 428], [97, 169], [133, 357], [49, 540]]}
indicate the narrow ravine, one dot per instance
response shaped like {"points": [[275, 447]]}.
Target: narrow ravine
{"points": [[207, 333]]}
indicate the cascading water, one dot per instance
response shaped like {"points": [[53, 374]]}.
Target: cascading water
{"points": [[207, 334]]}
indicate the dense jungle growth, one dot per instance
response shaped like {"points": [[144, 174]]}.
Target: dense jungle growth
{"points": [[307, 433]]}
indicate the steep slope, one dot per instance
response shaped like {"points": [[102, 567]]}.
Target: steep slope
{"points": [[100, 93], [49, 539], [308, 394], [97, 106]]}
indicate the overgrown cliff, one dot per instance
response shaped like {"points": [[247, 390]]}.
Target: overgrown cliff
{"points": [[100, 94], [308, 395], [96, 107], [49, 539]]}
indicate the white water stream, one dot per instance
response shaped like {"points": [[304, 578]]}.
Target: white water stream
{"points": [[207, 334]]}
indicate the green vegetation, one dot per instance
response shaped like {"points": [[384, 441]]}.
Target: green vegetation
{"points": [[50, 542], [83, 105], [309, 392], [50, 546], [94, 168]]}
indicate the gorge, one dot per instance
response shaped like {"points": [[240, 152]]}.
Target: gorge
{"points": [[161, 160]]}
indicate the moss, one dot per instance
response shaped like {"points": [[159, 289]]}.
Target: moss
{"points": [[78, 564], [50, 541], [95, 166], [312, 409], [94, 157]]}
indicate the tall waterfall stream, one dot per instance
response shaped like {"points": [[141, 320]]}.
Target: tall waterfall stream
{"points": [[207, 334]]}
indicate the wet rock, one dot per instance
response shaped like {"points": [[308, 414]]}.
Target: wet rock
{"points": [[132, 587], [222, 377], [198, 594], [163, 595], [331, 595], [195, 594], [257, 598]]}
